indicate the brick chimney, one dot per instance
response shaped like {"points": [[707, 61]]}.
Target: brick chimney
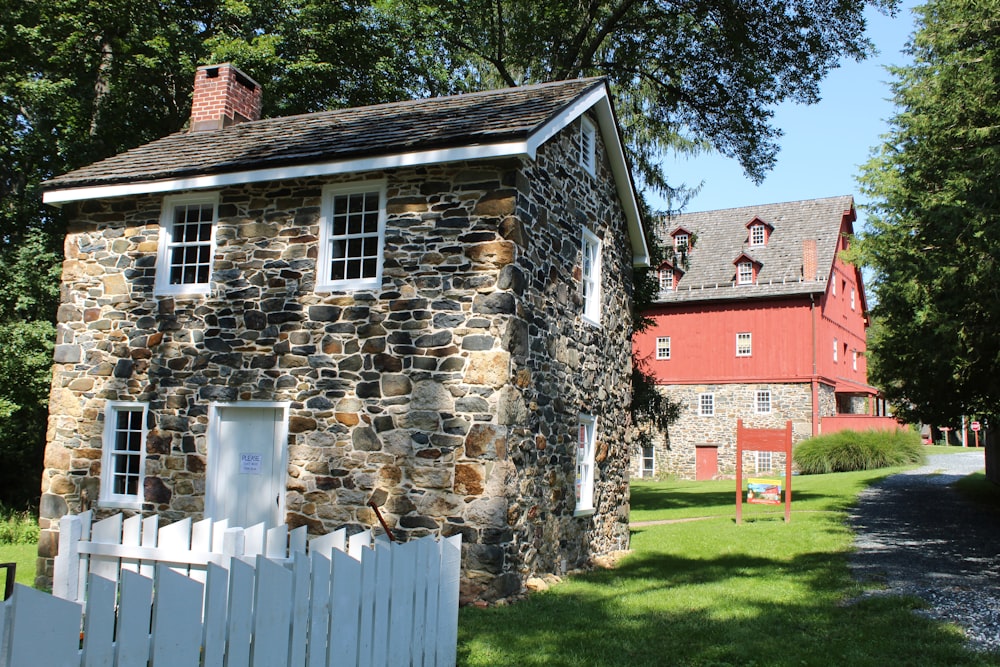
{"points": [[223, 96], [809, 259]]}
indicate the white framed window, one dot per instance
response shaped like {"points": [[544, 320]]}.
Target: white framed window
{"points": [[854, 359], [591, 278], [585, 441], [648, 461], [758, 235], [706, 405], [852, 298], [663, 347], [765, 463], [187, 243], [352, 236], [588, 145], [744, 273], [762, 401], [681, 242], [835, 348], [744, 344], [666, 280], [833, 285], [123, 460]]}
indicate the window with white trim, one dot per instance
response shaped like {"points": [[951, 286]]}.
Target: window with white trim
{"points": [[762, 401], [591, 278], [648, 461], [706, 405], [852, 298], [758, 235], [585, 441], [744, 273], [663, 347], [666, 280], [835, 348], [765, 463], [744, 344], [833, 285], [854, 359], [588, 145], [352, 236], [124, 457], [187, 243], [681, 242]]}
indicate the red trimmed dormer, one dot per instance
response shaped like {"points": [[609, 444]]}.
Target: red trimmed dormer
{"points": [[668, 276], [681, 239], [747, 269], [758, 232]]}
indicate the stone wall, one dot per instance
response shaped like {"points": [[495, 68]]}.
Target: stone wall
{"points": [[733, 401], [449, 397]]}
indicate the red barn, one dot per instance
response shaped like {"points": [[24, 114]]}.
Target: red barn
{"points": [[759, 318]]}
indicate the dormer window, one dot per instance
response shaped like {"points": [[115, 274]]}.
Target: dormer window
{"points": [[758, 234], [588, 145], [744, 273], [681, 242], [666, 279]]}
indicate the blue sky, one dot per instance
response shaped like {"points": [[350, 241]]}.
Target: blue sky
{"points": [[824, 143]]}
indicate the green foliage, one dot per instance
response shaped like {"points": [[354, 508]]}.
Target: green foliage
{"points": [[846, 451], [933, 239], [18, 527]]}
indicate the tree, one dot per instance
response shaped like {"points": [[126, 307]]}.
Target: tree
{"points": [[933, 239]]}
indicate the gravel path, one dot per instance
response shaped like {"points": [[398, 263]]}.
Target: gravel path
{"points": [[917, 536]]}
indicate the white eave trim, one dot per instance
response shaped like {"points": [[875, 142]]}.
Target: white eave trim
{"points": [[596, 99]]}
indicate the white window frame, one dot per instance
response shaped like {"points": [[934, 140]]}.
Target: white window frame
{"points": [[648, 461], [706, 404], [762, 402], [682, 242], [666, 280], [836, 346], [833, 285], [764, 461], [590, 277], [852, 298], [744, 273], [662, 347], [854, 359], [167, 245], [744, 344], [588, 145], [110, 453], [758, 235], [324, 280], [585, 443]]}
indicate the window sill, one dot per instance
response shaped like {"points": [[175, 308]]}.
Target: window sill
{"points": [[592, 322], [120, 504], [584, 512]]}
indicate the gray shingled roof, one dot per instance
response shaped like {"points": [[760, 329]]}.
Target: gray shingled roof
{"points": [[424, 124], [721, 236]]}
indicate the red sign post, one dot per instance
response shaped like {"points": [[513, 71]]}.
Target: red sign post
{"points": [[975, 429], [763, 440]]}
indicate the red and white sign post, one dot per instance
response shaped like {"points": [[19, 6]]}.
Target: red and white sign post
{"points": [[975, 429]]}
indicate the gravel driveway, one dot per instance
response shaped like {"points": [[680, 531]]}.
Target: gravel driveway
{"points": [[916, 535]]}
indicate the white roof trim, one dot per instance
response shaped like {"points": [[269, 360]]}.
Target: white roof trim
{"points": [[296, 171], [597, 99]]}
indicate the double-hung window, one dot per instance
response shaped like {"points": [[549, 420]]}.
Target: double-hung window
{"points": [[124, 457], [706, 405], [744, 273], [663, 347], [352, 236], [681, 242], [591, 278], [835, 348], [744, 344], [648, 461], [765, 462], [758, 235], [187, 243], [762, 402], [585, 441], [666, 280]]}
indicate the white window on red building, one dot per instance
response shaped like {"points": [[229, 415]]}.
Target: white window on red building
{"points": [[758, 234], [744, 344], [744, 273], [663, 347], [666, 280]]}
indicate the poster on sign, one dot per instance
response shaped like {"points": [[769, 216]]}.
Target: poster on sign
{"points": [[764, 491]]}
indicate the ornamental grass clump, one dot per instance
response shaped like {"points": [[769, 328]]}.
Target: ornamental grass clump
{"points": [[846, 451]]}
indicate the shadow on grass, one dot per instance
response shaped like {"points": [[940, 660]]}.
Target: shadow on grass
{"points": [[662, 498], [661, 609]]}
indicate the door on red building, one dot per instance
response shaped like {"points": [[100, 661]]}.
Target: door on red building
{"points": [[706, 461]]}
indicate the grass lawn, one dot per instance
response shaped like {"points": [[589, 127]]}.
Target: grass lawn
{"points": [[24, 555], [713, 593]]}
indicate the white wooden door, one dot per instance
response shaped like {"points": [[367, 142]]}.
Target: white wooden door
{"points": [[246, 475]]}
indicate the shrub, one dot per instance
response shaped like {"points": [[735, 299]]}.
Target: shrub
{"points": [[845, 451], [18, 527]]}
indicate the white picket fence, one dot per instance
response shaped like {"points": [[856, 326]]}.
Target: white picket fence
{"points": [[129, 593]]}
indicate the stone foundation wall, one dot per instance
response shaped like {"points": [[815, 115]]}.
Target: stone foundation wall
{"points": [[449, 397], [733, 401]]}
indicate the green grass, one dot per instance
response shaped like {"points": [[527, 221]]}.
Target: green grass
{"points": [[24, 555], [981, 491], [713, 593]]}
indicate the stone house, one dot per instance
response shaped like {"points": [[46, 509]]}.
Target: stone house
{"points": [[759, 318], [421, 307]]}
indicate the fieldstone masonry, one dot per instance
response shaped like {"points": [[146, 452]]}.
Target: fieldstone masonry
{"points": [[449, 397]]}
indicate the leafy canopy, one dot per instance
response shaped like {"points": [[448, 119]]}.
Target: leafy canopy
{"points": [[934, 223]]}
